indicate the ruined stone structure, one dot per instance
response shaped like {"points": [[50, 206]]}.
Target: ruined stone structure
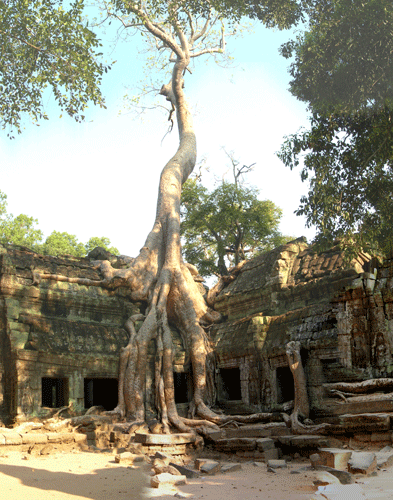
{"points": [[340, 312], [60, 341]]}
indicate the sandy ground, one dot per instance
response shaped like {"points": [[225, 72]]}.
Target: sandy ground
{"points": [[84, 475]]}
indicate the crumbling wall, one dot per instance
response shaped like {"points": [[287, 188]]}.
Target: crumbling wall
{"points": [[341, 313], [55, 330]]}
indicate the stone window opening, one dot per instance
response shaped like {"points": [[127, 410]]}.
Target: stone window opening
{"points": [[231, 386], [54, 392], [101, 392], [285, 385]]}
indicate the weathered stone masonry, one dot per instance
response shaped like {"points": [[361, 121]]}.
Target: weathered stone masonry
{"points": [[60, 341], [55, 336]]}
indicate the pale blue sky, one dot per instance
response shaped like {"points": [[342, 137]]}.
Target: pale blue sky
{"points": [[100, 178]]}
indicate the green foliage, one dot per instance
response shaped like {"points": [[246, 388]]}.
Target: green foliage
{"points": [[21, 230], [45, 45], [344, 70], [102, 242], [63, 244], [228, 223], [18, 230], [343, 62]]}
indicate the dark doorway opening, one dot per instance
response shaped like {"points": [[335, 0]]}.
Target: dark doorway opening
{"points": [[180, 381], [231, 386], [54, 392], [100, 392], [285, 387]]}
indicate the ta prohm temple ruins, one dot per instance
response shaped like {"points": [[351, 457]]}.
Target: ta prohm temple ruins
{"points": [[60, 339]]}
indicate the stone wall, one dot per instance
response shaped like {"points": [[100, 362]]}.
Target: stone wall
{"points": [[341, 312], [55, 330]]}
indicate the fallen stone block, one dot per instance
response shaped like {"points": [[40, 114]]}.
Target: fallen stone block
{"points": [[207, 466], [230, 467], [162, 455], [210, 467], [186, 471], [80, 438], [166, 478], [277, 464], [385, 457], [362, 462], [339, 492], [335, 457], [322, 478], [2, 440], [343, 476], [129, 457]]}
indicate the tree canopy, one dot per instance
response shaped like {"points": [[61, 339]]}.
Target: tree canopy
{"points": [[226, 225], [46, 45], [22, 230], [343, 69]]}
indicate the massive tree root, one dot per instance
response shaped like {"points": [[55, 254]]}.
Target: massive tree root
{"points": [[301, 405]]}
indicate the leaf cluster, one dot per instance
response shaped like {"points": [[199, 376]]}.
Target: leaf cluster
{"points": [[46, 46]]}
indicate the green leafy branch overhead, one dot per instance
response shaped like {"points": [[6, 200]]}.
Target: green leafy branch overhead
{"points": [[45, 45]]}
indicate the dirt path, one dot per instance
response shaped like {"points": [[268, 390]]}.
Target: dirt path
{"points": [[96, 476]]}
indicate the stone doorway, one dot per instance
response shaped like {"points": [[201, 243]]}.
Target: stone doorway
{"points": [[100, 392], [285, 385], [231, 386]]}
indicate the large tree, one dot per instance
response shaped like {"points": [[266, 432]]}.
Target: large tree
{"points": [[227, 224], [46, 44], [158, 276], [343, 69]]}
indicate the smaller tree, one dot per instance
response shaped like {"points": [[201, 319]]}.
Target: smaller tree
{"points": [[19, 230], [58, 243], [226, 225], [102, 242]]}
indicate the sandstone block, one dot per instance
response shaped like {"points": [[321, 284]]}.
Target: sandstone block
{"points": [[340, 492], [54, 437], [2, 440], [335, 457], [207, 466], [80, 438], [264, 444], [277, 464], [34, 438], [309, 441], [13, 438], [186, 471], [362, 462], [230, 468], [323, 478], [166, 478], [128, 457], [343, 476]]}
